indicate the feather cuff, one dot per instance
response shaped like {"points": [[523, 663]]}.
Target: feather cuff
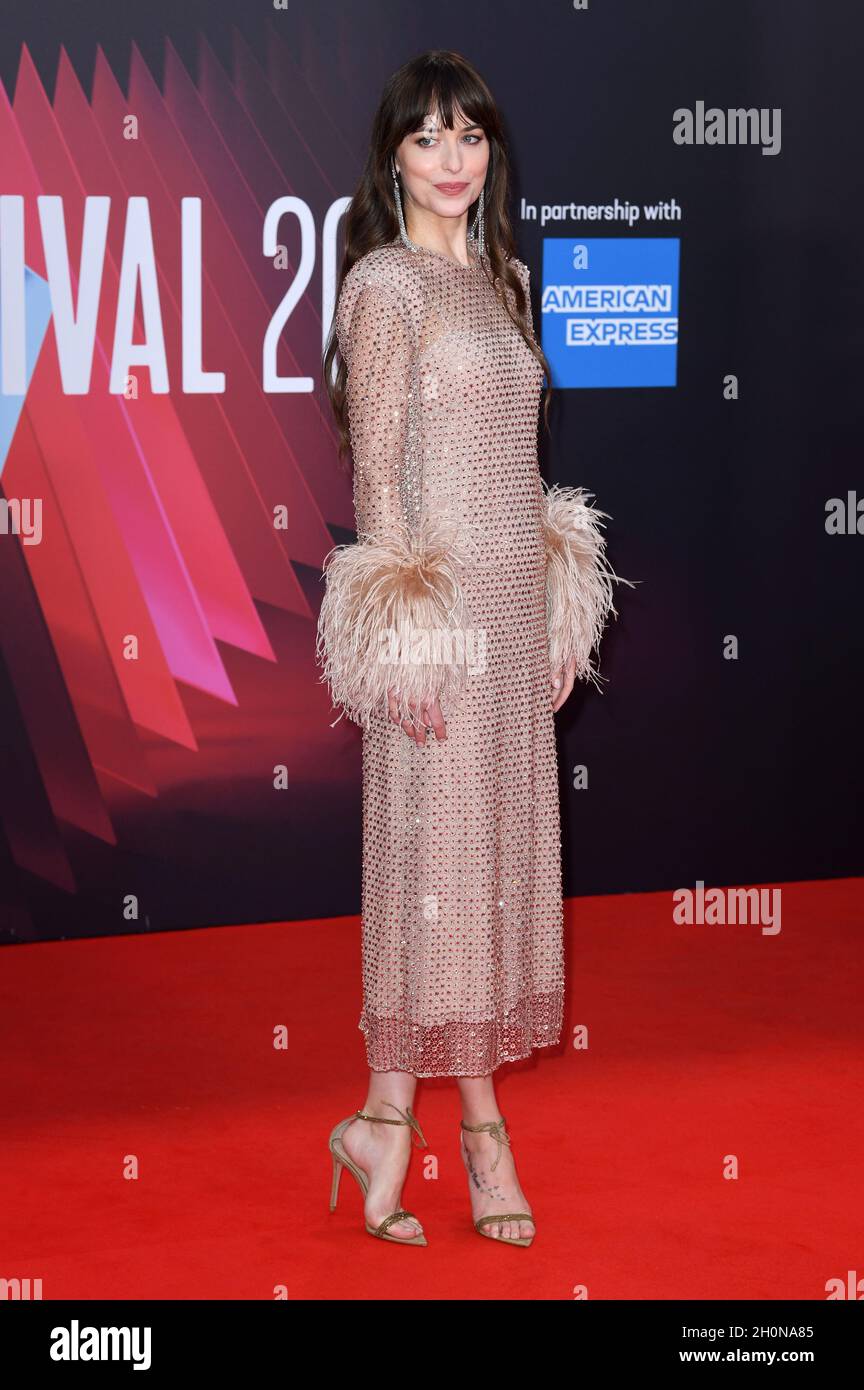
{"points": [[578, 579], [393, 617]]}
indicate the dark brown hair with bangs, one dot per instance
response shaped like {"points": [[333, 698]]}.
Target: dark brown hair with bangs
{"points": [[446, 85]]}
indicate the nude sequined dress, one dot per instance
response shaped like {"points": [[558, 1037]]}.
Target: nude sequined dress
{"points": [[462, 930]]}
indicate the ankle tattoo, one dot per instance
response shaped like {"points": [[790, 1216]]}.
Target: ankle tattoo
{"points": [[479, 1181]]}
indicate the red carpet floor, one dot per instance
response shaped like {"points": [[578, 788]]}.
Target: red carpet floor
{"points": [[705, 1042]]}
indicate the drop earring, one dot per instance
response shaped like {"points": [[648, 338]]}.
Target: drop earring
{"points": [[478, 227], [403, 231]]}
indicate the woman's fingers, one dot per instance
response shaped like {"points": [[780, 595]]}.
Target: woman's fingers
{"points": [[418, 731], [431, 719], [394, 699], [425, 715], [563, 681], [432, 715]]}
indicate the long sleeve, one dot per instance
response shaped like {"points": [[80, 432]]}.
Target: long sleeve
{"points": [[379, 352], [525, 276], [393, 607], [579, 577]]}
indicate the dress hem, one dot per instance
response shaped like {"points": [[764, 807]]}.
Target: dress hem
{"points": [[431, 1075], [379, 1044]]}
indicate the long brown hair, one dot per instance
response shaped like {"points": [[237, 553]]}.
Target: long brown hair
{"points": [[441, 82]]}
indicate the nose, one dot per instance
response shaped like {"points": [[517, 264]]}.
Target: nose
{"points": [[451, 158]]}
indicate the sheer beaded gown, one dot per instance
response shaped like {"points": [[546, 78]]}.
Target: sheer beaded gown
{"points": [[468, 576]]}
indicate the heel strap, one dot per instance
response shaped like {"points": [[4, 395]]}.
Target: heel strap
{"points": [[497, 1128], [409, 1119]]}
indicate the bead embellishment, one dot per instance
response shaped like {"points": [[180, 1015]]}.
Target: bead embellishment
{"points": [[443, 400]]}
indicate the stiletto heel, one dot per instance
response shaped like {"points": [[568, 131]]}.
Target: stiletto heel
{"points": [[498, 1130], [334, 1187], [341, 1159]]}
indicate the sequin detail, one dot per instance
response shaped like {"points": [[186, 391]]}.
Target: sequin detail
{"points": [[462, 930]]}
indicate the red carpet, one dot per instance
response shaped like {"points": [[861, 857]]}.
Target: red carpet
{"points": [[705, 1042]]}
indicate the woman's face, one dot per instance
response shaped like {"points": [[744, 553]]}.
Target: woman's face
{"points": [[444, 170]]}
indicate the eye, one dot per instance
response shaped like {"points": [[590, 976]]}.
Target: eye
{"points": [[425, 140]]}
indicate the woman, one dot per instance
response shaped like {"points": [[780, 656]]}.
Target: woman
{"points": [[451, 631]]}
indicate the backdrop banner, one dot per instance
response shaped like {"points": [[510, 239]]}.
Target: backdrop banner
{"points": [[173, 181]]}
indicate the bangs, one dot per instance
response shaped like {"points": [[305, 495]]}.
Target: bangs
{"points": [[448, 94]]}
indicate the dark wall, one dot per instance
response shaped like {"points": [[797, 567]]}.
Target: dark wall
{"points": [[699, 767]]}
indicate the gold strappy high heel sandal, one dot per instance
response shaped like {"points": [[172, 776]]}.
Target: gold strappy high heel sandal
{"points": [[497, 1128], [341, 1160]]}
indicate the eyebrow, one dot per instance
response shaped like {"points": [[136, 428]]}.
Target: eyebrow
{"points": [[464, 128]]}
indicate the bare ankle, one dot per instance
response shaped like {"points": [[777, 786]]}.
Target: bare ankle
{"points": [[478, 1133]]}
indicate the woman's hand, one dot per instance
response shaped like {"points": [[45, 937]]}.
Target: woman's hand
{"points": [[430, 714], [562, 683]]}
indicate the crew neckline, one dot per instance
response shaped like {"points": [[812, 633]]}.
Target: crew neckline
{"points": [[472, 265]]}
